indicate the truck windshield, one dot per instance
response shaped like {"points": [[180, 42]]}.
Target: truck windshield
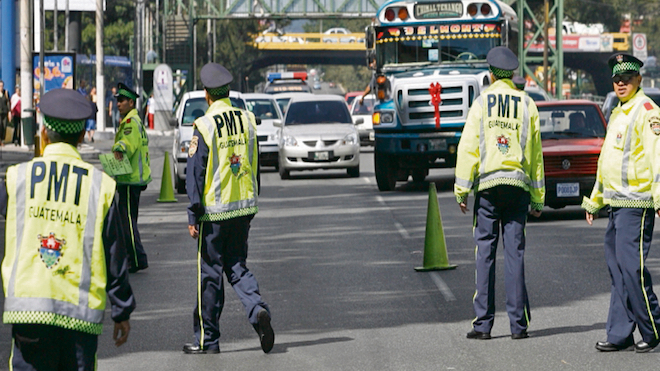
{"points": [[436, 44]]}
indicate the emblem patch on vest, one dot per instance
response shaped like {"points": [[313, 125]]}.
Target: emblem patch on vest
{"points": [[619, 136], [503, 144], [235, 164], [50, 249], [655, 125], [194, 142]]}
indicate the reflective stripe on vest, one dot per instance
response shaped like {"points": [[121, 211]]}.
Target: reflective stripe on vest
{"points": [[625, 162], [219, 207], [140, 154], [81, 310]]}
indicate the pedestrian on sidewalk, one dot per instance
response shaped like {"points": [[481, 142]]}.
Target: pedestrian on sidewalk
{"points": [[131, 140], [221, 180], [5, 112], [90, 127], [16, 115], [59, 271]]}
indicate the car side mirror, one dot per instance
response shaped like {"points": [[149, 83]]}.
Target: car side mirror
{"points": [[358, 121], [277, 123], [173, 122], [257, 120]]}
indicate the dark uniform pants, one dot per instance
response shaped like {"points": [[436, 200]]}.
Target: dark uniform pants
{"points": [[129, 201], [633, 302], [51, 348], [505, 207], [222, 248]]}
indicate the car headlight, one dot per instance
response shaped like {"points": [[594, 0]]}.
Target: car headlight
{"points": [[351, 139], [184, 146], [289, 141]]}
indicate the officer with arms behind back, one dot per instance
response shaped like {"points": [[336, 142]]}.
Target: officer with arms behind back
{"points": [[628, 181], [221, 181], [64, 250], [131, 140], [500, 157]]}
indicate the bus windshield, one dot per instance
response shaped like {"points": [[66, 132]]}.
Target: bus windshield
{"points": [[423, 45]]}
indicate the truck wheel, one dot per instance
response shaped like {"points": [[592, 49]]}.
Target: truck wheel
{"points": [[385, 172], [419, 175], [180, 185]]}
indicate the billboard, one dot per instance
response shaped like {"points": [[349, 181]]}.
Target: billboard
{"points": [[59, 71]]}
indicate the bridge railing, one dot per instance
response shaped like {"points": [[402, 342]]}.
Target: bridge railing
{"points": [[309, 41]]}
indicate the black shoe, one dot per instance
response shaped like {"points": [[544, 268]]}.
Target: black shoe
{"points": [[606, 346], [522, 335], [474, 334], [643, 347], [265, 331], [196, 349]]}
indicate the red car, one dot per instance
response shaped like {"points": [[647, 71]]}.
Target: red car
{"points": [[572, 132]]}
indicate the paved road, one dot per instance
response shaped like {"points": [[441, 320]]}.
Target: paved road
{"points": [[334, 258]]}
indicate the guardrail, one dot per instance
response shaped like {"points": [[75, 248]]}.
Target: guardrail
{"points": [[309, 41]]}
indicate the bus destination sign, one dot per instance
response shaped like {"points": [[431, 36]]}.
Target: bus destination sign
{"points": [[438, 10]]}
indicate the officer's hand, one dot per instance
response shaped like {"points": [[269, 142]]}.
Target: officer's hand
{"points": [[590, 217], [535, 213], [119, 156], [463, 207], [194, 231], [120, 335]]}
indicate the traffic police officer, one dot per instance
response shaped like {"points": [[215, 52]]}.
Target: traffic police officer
{"points": [[221, 181], [628, 180], [131, 140], [500, 157], [63, 258]]}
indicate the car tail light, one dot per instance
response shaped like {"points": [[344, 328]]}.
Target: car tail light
{"points": [[472, 9], [485, 9], [403, 14], [389, 14]]}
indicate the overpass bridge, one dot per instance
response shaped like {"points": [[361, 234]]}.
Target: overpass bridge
{"points": [[585, 52]]}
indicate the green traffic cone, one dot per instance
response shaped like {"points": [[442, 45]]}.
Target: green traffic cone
{"points": [[166, 189], [435, 247]]}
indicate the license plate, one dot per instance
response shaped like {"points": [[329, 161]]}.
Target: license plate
{"points": [[568, 189], [321, 156], [438, 144]]}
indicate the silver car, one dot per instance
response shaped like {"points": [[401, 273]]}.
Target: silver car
{"points": [[192, 106], [364, 111], [265, 108], [317, 133]]}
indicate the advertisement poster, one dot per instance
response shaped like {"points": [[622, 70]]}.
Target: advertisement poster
{"points": [[58, 72]]}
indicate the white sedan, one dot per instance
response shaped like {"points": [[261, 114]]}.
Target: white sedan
{"points": [[318, 133], [364, 111], [266, 109]]}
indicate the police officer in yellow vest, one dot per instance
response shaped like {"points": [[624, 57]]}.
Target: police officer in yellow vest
{"points": [[63, 258], [131, 140], [628, 180], [500, 158], [221, 181]]}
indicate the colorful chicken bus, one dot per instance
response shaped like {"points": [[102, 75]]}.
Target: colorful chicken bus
{"points": [[430, 66]]}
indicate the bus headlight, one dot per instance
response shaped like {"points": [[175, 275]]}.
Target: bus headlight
{"points": [[385, 117]]}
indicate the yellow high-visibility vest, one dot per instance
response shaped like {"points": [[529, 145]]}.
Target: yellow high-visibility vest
{"points": [[230, 188], [54, 269], [628, 166], [132, 140], [501, 144]]}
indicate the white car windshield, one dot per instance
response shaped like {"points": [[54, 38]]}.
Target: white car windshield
{"points": [[263, 108], [317, 112], [196, 108]]}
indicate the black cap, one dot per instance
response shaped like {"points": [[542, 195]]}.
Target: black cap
{"points": [[65, 110], [622, 63], [519, 82], [502, 58], [215, 76], [125, 91]]}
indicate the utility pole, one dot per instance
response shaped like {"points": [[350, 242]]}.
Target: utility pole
{"points": [[55, 35], [27, 117], [100, 79]]}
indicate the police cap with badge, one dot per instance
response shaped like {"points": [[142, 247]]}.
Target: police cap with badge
{"points": [[621, 63], [125, 91], [65, 111], [216, 79], [502, 62]]}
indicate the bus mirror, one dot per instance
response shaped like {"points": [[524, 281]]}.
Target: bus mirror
{"points": [[369, 37], [505, 33]]}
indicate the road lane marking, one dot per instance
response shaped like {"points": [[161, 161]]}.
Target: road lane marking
{"points": [[402, 231], [442, 287]]}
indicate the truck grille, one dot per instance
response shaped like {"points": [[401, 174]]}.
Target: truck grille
{"points": [[413, 101]]}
